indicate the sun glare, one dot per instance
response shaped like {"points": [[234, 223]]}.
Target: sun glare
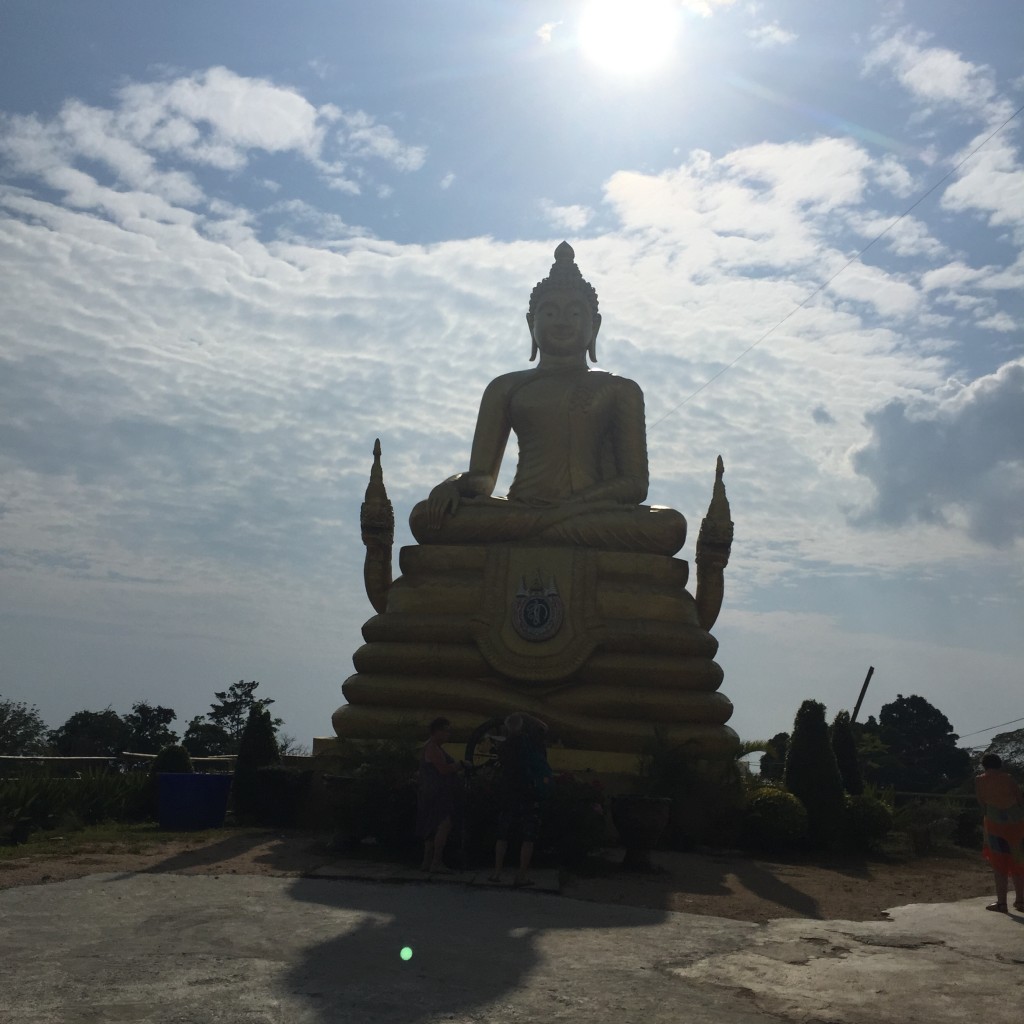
{"points": [[628, 36]]}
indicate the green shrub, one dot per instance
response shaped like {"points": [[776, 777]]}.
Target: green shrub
{"points": [[172, 758], [378, 808], [666, 769], [928, 824], [868, 822], [774, 821], [374, 794], [573, 822], [708, 796], [967, 829], [812, 775], [280, 792], [42, 801], [722, 790]]}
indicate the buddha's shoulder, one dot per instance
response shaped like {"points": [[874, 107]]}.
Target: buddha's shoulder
{"points": [[611, 382], [507, 383], [590, 375]]}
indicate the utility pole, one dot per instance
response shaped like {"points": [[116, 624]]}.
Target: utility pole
{"points": [[863, 690]]}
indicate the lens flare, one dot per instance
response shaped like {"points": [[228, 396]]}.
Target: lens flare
{"points": [[406, 953]]}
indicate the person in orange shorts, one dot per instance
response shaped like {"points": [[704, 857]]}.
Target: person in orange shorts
{"points": [[1001, 797]]}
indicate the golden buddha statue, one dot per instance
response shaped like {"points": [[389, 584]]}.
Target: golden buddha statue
{"points": [[582, 471], [563, 598]]}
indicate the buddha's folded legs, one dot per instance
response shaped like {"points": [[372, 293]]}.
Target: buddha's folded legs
{"points": [[652, 529]]}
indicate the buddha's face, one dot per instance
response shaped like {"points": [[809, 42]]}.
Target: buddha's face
{"points": [[563, 324]]}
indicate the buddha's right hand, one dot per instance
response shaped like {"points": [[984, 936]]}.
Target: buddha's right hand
{"points": [[442, 500]]}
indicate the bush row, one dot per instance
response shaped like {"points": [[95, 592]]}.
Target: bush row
{"points": [[777, 821], [36, 801]]}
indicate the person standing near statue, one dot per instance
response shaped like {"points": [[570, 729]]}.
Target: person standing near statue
{"points": [[1001, 797], [522, 784], [435, 802]]}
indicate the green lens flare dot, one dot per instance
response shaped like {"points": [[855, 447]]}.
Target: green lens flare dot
{"points": [[406, 953]]}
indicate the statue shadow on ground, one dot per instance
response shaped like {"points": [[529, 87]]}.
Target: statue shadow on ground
{"points": [[470, 947], [281, 853], [766, 884], [677, 875]]}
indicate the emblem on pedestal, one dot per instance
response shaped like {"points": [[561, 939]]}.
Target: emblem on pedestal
{"points": [[537, 611]]}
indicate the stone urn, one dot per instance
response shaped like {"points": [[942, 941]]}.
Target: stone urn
{"points": [[640, 822]]}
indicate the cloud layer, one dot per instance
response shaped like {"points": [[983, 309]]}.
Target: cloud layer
{"points": [[199, 349], [955, 458]]}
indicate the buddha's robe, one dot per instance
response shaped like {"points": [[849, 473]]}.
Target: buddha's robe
{"points": [[582, 472]]}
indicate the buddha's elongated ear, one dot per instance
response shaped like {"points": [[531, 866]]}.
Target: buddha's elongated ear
{"points": [[592, 347], [533, 340]]}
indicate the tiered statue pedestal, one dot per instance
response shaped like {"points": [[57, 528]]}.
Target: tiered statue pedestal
{"points": [[604, 646]]}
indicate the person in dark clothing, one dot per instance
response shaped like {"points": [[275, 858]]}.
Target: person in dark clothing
{"points": [[524, 773], [435, 803]]}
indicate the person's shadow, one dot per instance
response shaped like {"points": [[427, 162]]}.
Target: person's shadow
{"points": [[466, 947]]}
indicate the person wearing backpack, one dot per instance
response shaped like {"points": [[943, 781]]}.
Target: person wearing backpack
{"points": [[524, 778]]}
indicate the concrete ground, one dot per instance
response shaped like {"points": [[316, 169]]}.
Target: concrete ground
{"points": [[234, 948]]}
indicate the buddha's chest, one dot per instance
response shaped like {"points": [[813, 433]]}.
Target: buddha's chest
{"points": [[562, 407]]}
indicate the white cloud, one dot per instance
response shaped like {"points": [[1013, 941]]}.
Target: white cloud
{"points": [[215, 113], [991, 182], [1000, 321], [762, 206], [894, 176], [952, 275], [546, 31], [571, 218], [215, 119], [341, 184], [908, 237], [447, 181], [951, 459], [365, 137], [769, 36], [823, 174], [936, 75], [885, 292]]}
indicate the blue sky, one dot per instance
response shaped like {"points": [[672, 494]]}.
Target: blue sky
{"points": [[240, 241]]}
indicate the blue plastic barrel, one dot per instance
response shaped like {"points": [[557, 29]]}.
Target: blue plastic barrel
{"points": [[193, 800]]}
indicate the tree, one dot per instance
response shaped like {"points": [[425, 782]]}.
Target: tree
{"points": [[922, 753], [231, 712], [91, 734], [1010, 747], [22, 729], [148, 727], [257, 749], [813, 775], [288, 744], [845, 749], [773, 762], [204, 739]]}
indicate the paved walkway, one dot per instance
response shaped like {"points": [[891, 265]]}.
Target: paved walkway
{"points": [[174, 948]]}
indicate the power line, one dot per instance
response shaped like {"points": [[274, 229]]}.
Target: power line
{"points": [[991, 727], [853, 259]]}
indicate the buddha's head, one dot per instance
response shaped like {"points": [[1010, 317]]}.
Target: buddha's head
{"points": [[563, 316]]}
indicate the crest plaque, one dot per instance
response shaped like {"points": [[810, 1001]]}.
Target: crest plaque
{"points": [[537, 610]]}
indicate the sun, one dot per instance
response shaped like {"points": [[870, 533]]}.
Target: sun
{"points": [[628, 36]]}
